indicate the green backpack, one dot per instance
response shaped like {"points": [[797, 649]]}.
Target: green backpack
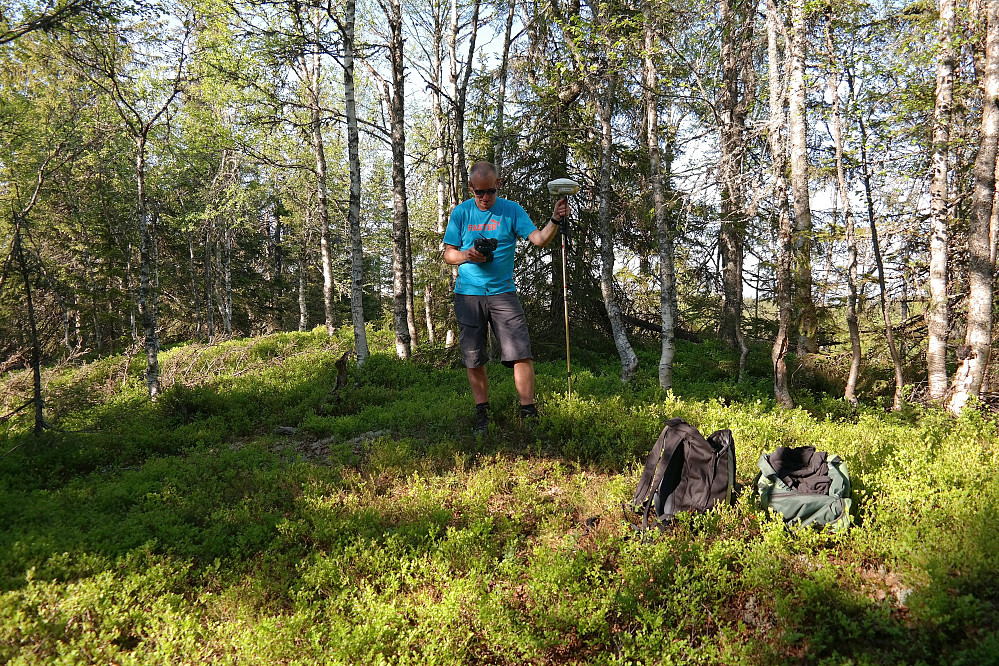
{"points": [[805, 486]]}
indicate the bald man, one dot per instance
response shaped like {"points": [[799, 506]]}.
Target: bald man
{"points": [[484, 292]]}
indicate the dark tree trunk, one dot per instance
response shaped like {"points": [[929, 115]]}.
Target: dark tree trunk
{"points": [[36, 356], [778, 151]]}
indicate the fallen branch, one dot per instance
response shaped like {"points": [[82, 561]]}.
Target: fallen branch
{"points": [[9, 416]]}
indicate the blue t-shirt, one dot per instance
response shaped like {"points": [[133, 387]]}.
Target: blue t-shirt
{"points": [[505, 221]]}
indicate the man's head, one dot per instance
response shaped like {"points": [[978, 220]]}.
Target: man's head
{"points": [[483, 182]]}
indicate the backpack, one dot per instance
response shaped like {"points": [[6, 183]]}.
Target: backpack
{"points": [[685, 472], [805, 486]]}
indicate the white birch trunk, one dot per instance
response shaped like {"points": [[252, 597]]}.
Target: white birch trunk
{"points": [[667, 273], [414, 334], [629, 361], [937, 316], [442, 165], [428, 313], [836, 126], [313, 66], [981, 265]]}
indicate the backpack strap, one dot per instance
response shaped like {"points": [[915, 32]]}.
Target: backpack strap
{"points": [[651, 475], [725, 442], [657, 464]]}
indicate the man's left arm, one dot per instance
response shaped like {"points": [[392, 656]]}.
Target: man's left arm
{"points": [[542, 237]]}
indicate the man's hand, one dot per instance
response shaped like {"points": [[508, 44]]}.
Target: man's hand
{"points": [[561, 210], [456, 257]]}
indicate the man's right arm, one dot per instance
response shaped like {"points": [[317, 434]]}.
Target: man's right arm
{"points": [[454, 256]]}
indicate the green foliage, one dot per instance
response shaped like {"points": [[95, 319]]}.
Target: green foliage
{"points": [[382, 531]]}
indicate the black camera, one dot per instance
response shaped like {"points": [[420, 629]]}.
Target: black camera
{"points": [[486, 246]]}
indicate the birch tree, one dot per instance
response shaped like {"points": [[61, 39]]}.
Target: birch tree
{"points": [[122, 70], [603, 100], [982, 230], [354, 205], [664, 236], [937, 316], [310, 25], [852, 324]]}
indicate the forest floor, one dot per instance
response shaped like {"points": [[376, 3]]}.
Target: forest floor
{"points": [[255, 515]]}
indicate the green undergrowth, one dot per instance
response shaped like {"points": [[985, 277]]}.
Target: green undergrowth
{"points": [[256, 514]]}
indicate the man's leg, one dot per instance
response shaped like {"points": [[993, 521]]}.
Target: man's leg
{"points": [[523, 379], [479, 382]]}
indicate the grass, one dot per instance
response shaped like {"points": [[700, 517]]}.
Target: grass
{"points": [[382, 531]]}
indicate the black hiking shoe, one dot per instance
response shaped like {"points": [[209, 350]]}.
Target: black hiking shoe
{"points": [[481, 419], [528, 414]]}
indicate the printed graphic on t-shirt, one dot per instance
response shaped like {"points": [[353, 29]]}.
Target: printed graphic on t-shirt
{"points": [[492, 225]]}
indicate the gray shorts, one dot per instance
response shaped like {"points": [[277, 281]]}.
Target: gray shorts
{"points": [[504, 313]]}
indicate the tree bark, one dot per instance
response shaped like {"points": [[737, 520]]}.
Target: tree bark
{"points": [[277, 297], [400, 220], [852, 324], [736, 30], [981, 263], [797, 134], [442, 164], [629, 361], [414, 334], [876, 250], [199, 319], [209, 282], [667, 274], [36, 356], [312, 66], [937, 316], [303, 267], [429, 314], [354, 206], [459, 85], [227, 278], [147, 308], [499, 140], [778, 151]]}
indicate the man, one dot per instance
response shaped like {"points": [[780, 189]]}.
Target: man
{"points": [[484, 292]]}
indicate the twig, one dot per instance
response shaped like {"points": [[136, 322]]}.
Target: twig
{"points": [[10, 452]]}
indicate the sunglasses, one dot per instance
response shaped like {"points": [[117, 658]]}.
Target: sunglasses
{"points": [[482, 193]]}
